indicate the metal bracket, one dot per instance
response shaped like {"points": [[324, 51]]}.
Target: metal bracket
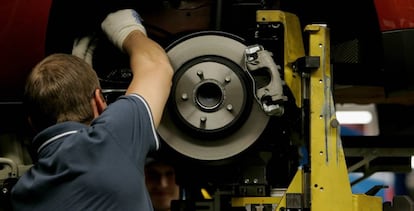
{"points": [[270, 97]]}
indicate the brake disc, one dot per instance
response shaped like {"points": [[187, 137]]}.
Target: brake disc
{"points": [[211, 113]]}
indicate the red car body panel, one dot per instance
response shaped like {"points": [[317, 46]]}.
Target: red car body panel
{"points": [[395, 14], [22, 40]]}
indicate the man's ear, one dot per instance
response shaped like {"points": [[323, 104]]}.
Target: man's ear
{"points": [[29, 121], [100, 102]]}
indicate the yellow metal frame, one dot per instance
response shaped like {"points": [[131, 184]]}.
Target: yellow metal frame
{"points": [[329, 183], [293, 46]]}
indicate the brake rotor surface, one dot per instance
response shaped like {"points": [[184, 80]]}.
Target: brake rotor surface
{"points": [[211, 113]]}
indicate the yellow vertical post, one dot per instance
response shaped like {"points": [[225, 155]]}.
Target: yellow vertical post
{"points": [[330, 185], [329, 181]]}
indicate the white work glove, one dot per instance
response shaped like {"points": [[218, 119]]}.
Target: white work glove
{"points": [[119, 24], [84, 48]]}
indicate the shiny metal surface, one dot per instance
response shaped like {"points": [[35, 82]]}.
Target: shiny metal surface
{"points": [[211, 114]]}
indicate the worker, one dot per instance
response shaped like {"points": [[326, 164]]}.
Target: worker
{"points": [[91, 155], [160, 178]]}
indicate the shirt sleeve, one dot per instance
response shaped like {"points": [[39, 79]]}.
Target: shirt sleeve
{"points": [[129, 121]]}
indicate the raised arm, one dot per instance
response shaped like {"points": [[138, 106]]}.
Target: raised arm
{"points": [[151, 69], [152, 72]]}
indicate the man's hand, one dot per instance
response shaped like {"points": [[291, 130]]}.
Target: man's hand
{"points": [[120, 24], [150, 65]]}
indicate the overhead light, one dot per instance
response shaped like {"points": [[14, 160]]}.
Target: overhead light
{"points": [[354, 117], [357, 119]]}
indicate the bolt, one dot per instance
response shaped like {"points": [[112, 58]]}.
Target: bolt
{"points": [[229, 107], [334, 123], [200, 74], [184, 96]]}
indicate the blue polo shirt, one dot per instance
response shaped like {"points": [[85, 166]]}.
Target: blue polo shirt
{"points": [[96, 167]]}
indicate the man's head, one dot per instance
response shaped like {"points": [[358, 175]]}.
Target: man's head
{"points": [[60, 88], [161, 184]]}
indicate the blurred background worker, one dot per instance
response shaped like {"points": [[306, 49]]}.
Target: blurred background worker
{"points": [[161, 184]]}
